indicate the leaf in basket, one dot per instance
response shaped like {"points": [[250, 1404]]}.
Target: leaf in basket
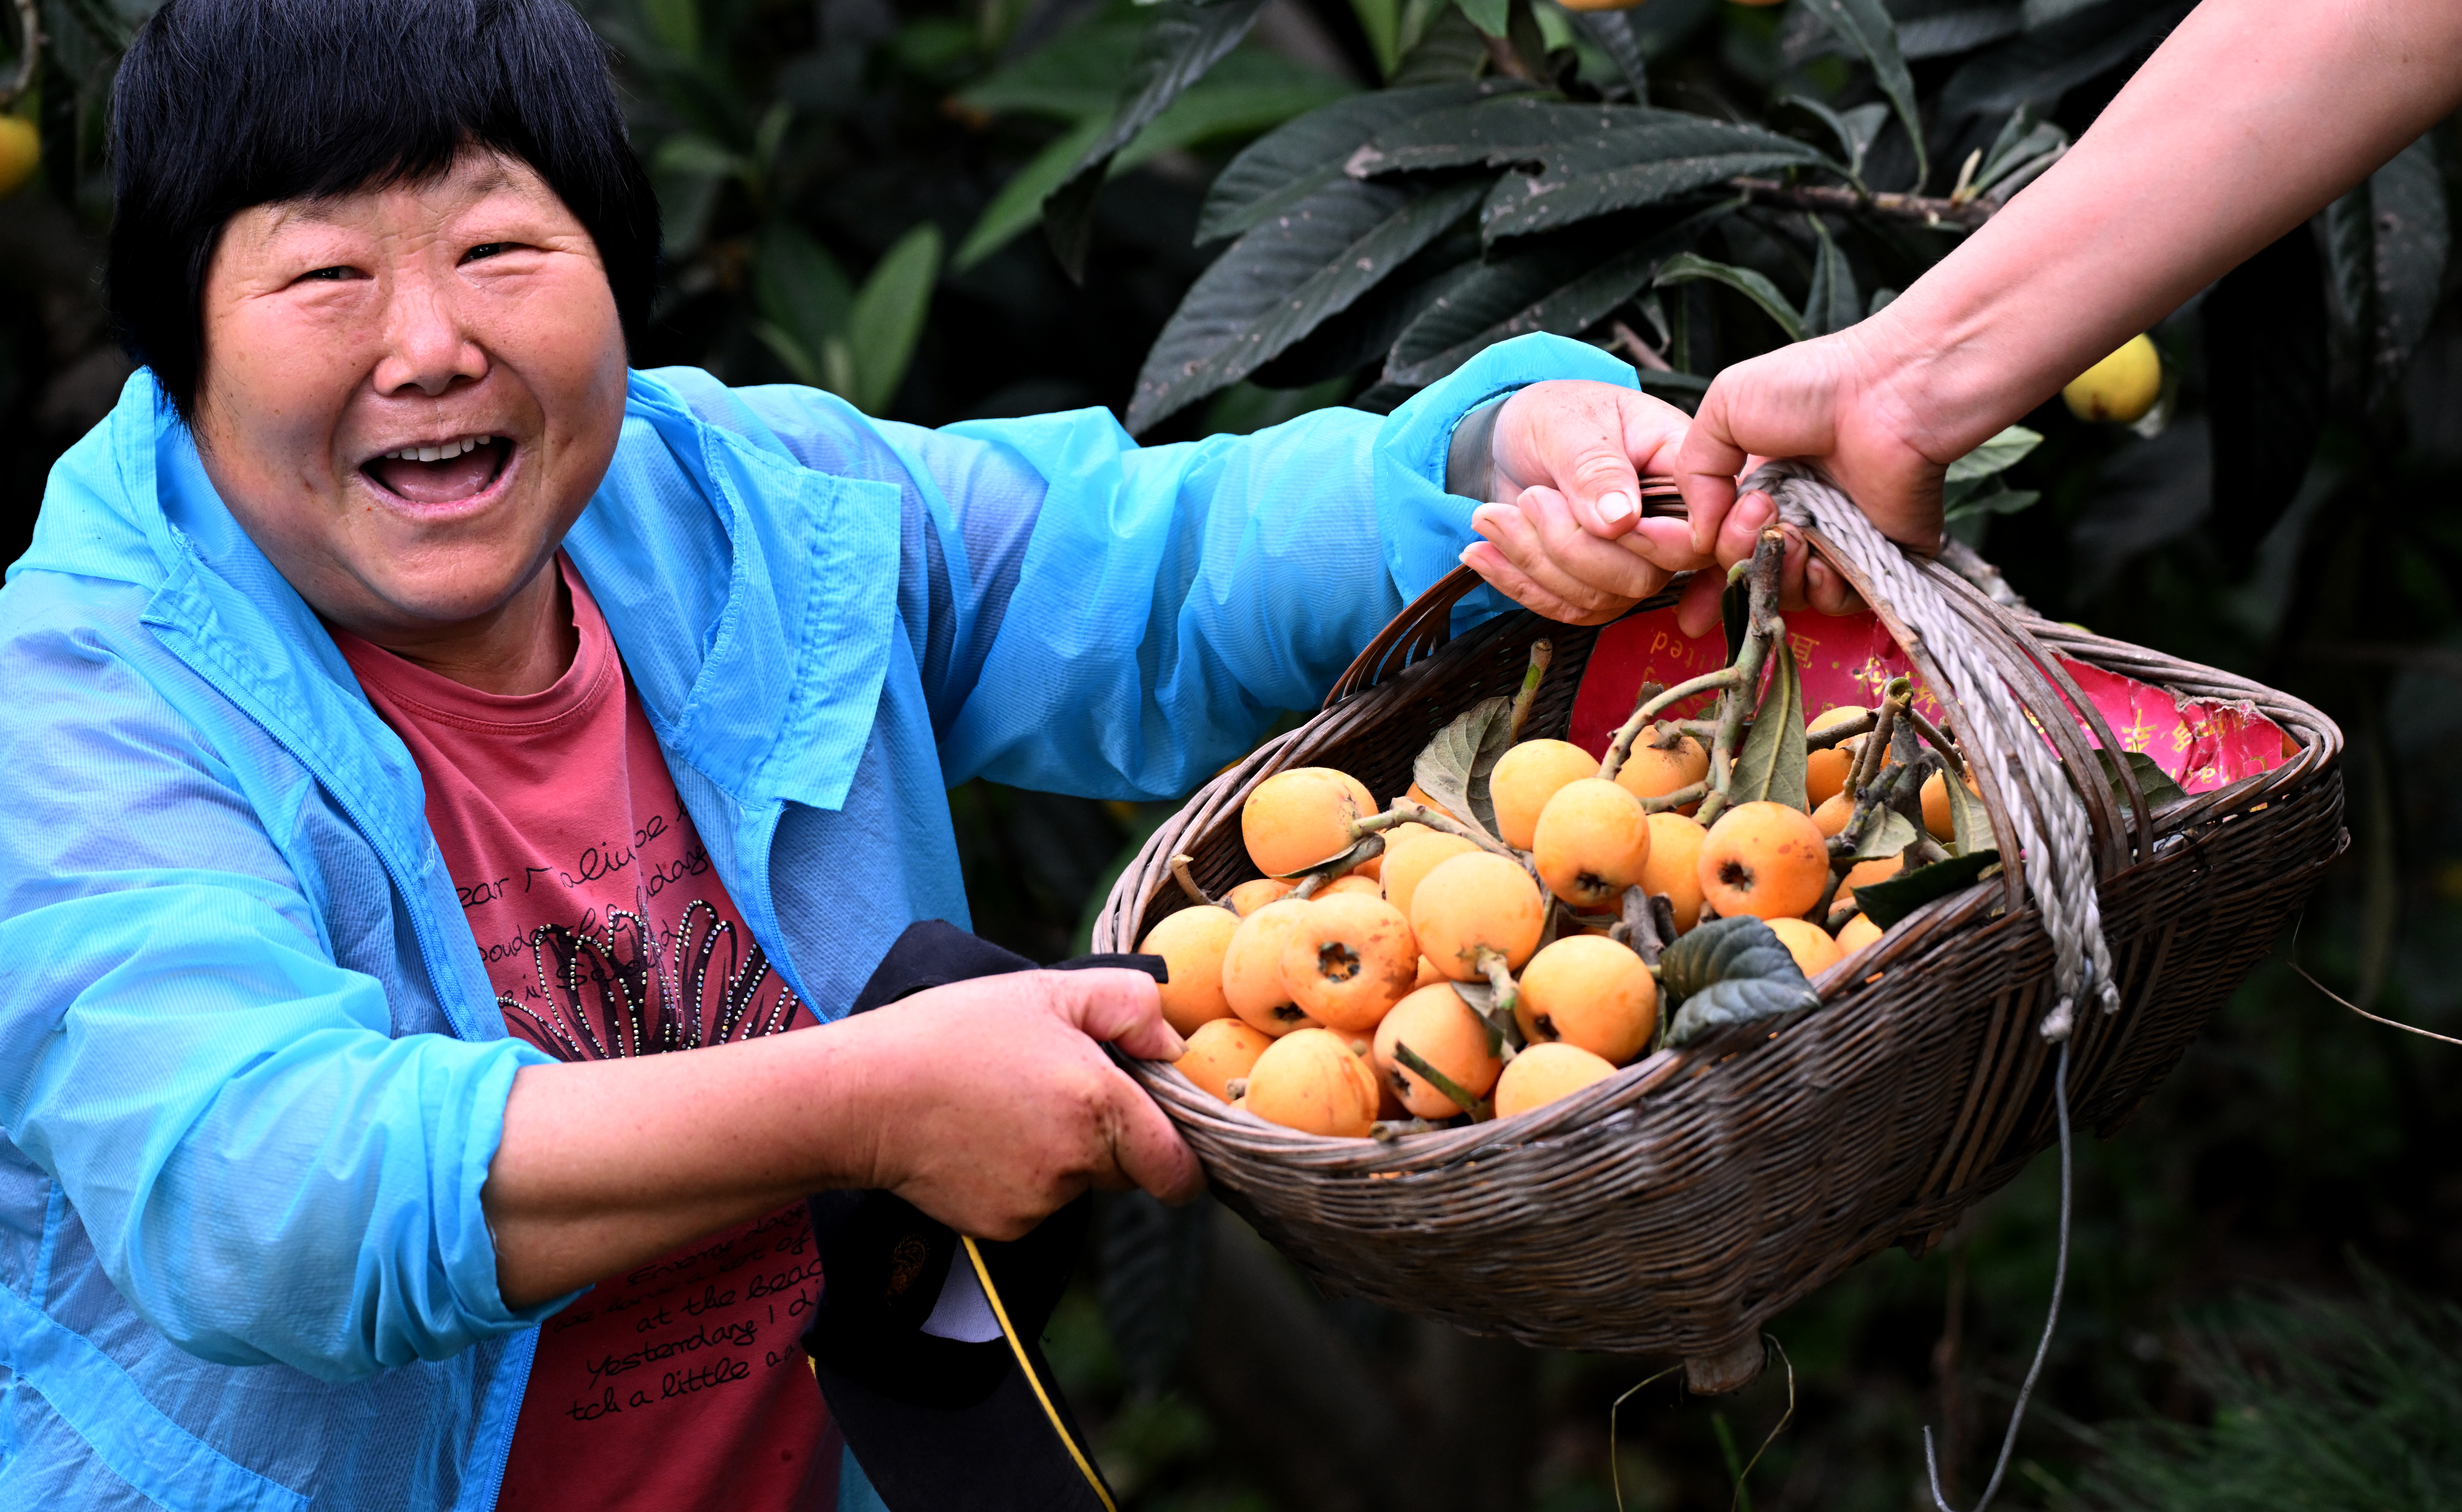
{"points": [[1969, 822], [1884, 834], [1771, 763], [1152, 1273], [1453, 768], [1886, 902], [2152, 779], [1730, 971]]}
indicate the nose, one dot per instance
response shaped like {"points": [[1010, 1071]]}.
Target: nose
{"points": [[426, 346]]}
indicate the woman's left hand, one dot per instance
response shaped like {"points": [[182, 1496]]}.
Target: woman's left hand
{"points": [[1565, 532]]}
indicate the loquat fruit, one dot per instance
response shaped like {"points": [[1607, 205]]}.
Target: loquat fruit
{"points": [[1662, 761], [1410, 857], [1219, 1052], [1300, 818], [1543, 1073], [1763, 858], [1441, 1030], [1252, 969], [1589, 991], [1526, 777], [1307, 1080], [1255, 894], [1810, 945], [1831, 816], [1937, 817], [1475, 902], [1675, 848], [1347, 960], [1592, 841], [2122, 387], [1191, 943], [1859, 932], [1353, 885]]}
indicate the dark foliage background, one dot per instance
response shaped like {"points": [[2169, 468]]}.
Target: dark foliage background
{"points": [[852, 189]]}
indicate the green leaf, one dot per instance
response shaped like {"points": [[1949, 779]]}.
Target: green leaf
{"points": [[1969, 822], [1686, 267], [1866, 25], [1453, 768], [1182, 43], [1449, 48], [1770, 765], [2153, 780], [1885, 834], [1295, 161], [1493, 133], [1549, 289], [688, 152], [1625, 171], [1833, 303], [1885, 902], [1381, 22], [2049, 60], [887, 317], [676, 24], [2003, 450], [1730, 971], [801, 293], [1018, 203], [1613, 32], [1490, 16], [2023, 143], [1075, 77], [2001, 501], [2408, 213], [1283, 280], [1855, 129], [1249, 91]]}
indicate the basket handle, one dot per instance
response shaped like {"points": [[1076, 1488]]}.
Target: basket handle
{"points": [[1426, 622]]}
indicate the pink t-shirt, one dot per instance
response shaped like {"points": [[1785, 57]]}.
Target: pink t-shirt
{"points": [[681, 1384]]}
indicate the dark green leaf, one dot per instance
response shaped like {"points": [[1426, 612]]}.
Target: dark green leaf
{"points": [[1450, 48], [2407, 204], [1855, 129], [2046, 62], [1833, 303], [1152, 1265], [1959, 30], [2002, 451], [1686, 267], [1075, 77], [1884, 834], [1998, 500], [1295, 161], [1885, 902], [1658, 170], [1282, 280], [1522, 128], [887, 317], [800, 288], [1248, 91], [1730, 971], [2022, 142], [1969, 822], [1182, 41], [1018, 203], [1453, 768], [1770, 765], [1612, 30], [1490, 16], [1556, 288], [1866, 25], [2153, 780]]}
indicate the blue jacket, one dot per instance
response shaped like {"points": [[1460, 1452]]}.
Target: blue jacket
{"points": [[251, 1071]]}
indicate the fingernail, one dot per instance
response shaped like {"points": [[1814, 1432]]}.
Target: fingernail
{"points": [[1615, 507]]}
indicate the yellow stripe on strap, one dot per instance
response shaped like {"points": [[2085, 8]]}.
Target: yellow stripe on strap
{"points": [[1017, 1346]]}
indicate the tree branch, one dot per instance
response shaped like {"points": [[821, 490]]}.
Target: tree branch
{"points": [[1930, 210]]}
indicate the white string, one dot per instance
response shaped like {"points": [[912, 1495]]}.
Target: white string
{"points": [[2058, 867]]}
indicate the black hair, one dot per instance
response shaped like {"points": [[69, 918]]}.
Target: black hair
{"points": [[225, 105]]}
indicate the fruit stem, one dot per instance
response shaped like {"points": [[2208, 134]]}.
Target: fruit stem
{"points": [[1841, 731], [1363, 847], [1933, 738], [1638, 928], [1761, 625], [1180, 874], [1541, 652], [1508, 995], [1819, 912], [1621, 747], [1689, 794], [1479, 1109], [1405, 811]]}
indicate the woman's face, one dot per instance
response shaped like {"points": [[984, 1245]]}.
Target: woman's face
{"points": [[409, 394]]}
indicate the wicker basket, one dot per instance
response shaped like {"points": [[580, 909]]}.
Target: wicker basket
{"points": [[1675, 1207]]}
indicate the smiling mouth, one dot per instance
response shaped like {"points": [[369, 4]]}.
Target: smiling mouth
{"points": [[443, 472]]}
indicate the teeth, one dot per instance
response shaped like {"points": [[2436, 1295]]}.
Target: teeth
{"points": [[444, 452]]}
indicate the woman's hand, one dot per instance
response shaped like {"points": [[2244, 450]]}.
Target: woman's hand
{"points": [[1564, 533], [987, 1104]]}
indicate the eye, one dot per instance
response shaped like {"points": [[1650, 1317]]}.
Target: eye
{"points": [[486, 249], [328, 275]]}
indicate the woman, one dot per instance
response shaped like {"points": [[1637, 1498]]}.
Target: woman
{"points": [[394, 670]]}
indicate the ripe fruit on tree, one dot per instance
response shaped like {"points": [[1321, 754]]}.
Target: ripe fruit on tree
{"points": [[1252, 969], [1663, 761], [1830, 818], [1860, 931], [1589, 991], [2122, 387], [1476, 902], [1353, 885], [1528, 775], [1675, 852], [1440, 1029], [1219, 1052], [1592, 841], [1311, 1080], [1810, 945], [1255, 894], [1300, 818], [21, 152], [1543, 1073], [1825, 770], [1409, 857], [1763, 858], [1937, 817], [1347, 960], [1191, 943]]}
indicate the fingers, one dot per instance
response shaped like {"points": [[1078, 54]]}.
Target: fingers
{"points": [[1483, 558], [1145, 1149], [1117, 1006], [1539, 538], [1590, 441]]}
